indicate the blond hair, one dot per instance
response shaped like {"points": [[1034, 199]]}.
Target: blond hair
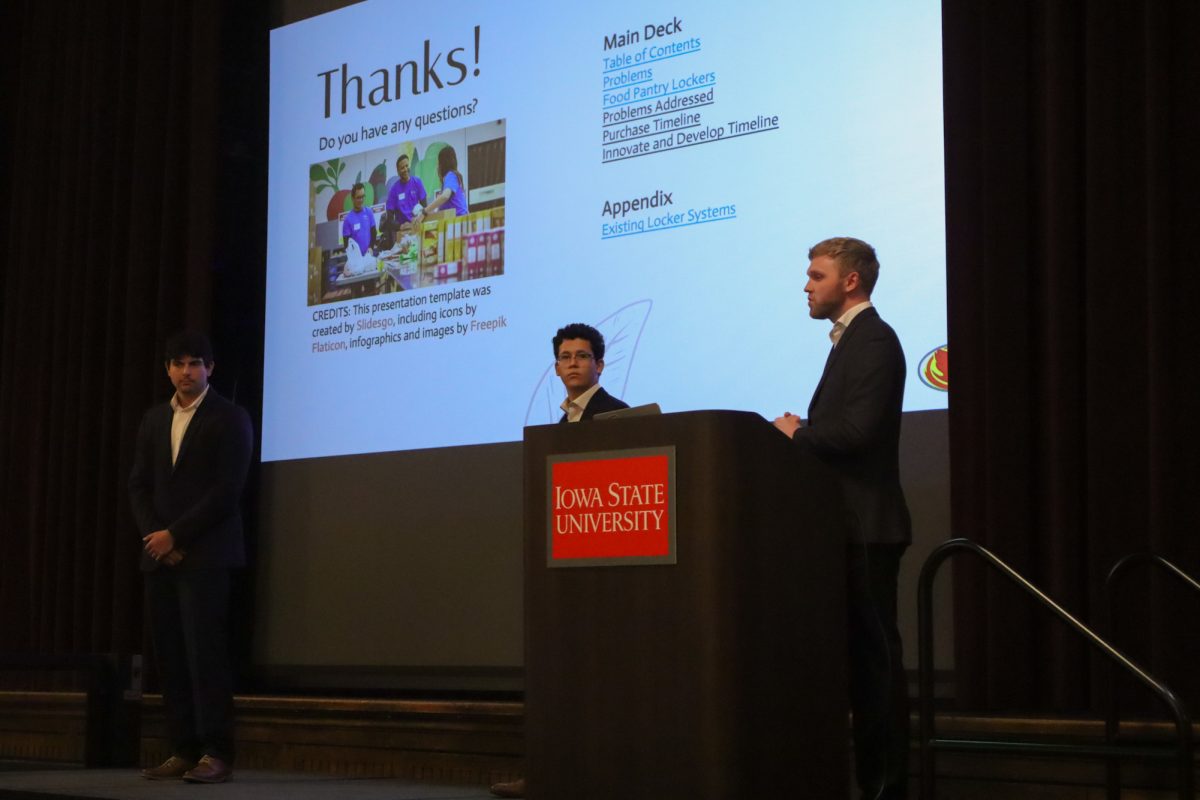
{"points": [[851, 255]]}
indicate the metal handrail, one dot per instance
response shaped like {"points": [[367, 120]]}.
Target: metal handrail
{"points": [[1122, 567], [929, 743], [1112, 582]]}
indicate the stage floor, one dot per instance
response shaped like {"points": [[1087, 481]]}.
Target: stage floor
{"points": [[120, 784]]}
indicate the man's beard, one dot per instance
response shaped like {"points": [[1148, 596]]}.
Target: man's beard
{"points": [[822, 310]]}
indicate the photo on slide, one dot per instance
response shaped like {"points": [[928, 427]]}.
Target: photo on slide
{"points": [[409, 215]]}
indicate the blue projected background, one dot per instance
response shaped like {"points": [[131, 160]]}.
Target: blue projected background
{"points": [[651, 168]]}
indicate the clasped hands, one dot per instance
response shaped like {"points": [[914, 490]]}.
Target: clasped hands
{"points": [[160, 546], [789, 423]]}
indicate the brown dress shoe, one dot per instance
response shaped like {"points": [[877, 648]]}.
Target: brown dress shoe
{"points": [[509, 789], [171, 769], [209, 770]]}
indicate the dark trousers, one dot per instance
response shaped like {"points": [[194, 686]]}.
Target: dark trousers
{"points": [[189, 614], [878, 686]]}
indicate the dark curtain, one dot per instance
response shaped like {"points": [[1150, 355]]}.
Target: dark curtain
{"points": [[1072, 170], [111, 138]]}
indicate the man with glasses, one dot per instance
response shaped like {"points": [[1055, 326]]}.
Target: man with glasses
{"points": [[579, 360]]}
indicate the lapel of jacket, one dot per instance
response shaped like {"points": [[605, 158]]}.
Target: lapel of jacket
{"points": [[817, 392], [834, 352], [162, 439], [591, 409], [198, 420]]}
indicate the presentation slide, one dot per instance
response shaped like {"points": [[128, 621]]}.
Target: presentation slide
{"points": [[450, 185]]}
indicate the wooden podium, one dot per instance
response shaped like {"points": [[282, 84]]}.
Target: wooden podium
{"points": [[722, 675]]}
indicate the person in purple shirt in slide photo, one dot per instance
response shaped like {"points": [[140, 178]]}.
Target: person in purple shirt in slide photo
{"points": [[359, 224], [406, 193], [454, 188]]}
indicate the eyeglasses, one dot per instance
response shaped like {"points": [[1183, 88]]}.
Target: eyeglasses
{"points": [[582, 355]]}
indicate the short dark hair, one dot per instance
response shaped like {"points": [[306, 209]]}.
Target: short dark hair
{"points": [[189, 343], [399, 158], [577, 330], [851, 255], [356, 187]]}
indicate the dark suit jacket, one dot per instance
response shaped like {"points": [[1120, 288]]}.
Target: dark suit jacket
{"points": [[197, 498], [601, 401], [854, 426]]}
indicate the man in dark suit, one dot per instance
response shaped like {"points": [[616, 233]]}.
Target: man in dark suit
{"points": [[854, 427], [189, 467], [578, 362]]}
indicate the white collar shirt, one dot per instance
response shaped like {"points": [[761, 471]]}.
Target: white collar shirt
{"points": [[574, 408], [181, 420], [843, 322]]}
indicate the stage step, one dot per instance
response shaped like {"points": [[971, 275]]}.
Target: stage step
{"points": [[476, 742]]}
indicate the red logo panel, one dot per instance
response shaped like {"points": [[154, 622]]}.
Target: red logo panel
{"points": [[612, 510]]}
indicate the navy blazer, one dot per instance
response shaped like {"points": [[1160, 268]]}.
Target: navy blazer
{"points": [[854, 426], [601, 401], [196, 499]]}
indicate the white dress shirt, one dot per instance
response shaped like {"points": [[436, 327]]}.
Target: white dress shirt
{"points": [[181, 420], [574, 408], [843, 322]]}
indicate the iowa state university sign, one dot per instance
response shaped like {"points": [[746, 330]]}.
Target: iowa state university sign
{"points": [[611, 508]]}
